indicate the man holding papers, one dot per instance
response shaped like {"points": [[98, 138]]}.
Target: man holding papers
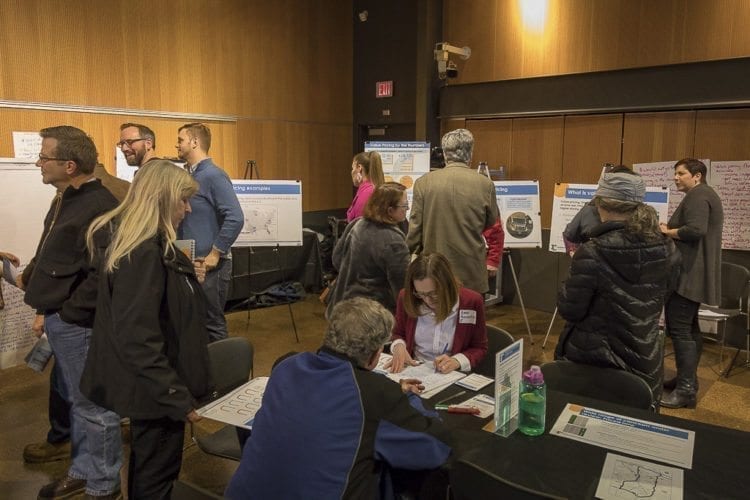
{"points": [[329, 427]]}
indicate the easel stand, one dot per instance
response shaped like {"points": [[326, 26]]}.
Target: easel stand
{"points": [[520, 297], [549, 328], [280, 268]]}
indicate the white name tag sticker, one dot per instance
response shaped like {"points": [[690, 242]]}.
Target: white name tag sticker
{"points": [[467, 317]]}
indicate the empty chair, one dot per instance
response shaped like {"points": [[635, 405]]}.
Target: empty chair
{"points": [[469, 481], [734, 309], [596, 382], [497, 340], [231, 362]]}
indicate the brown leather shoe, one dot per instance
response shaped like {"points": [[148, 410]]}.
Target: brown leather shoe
{"points": [[66, 487], [37, 453]]}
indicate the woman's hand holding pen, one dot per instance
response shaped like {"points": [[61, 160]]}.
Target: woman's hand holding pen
{"points": [[446, 364], [401, 359]]}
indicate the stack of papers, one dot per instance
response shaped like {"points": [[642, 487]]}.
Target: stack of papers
{"points": [[239, 406], [425, 372]]}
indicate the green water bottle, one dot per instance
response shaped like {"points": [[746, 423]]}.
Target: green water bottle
{"points": [[532, 402]]}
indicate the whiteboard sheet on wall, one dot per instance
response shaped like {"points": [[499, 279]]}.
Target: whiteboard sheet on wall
{"points": [[24, 202], [570, 198], [518, 202], [272, 210], [729, 179]]}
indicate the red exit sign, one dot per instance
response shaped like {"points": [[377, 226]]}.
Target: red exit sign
{"points": [[384, 89]]}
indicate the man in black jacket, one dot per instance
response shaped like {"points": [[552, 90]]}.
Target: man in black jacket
{"points": [[62, 286]]}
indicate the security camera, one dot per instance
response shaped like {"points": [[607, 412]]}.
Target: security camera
{"points": [[446, 67]]}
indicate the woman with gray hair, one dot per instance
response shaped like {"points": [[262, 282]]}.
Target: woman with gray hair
{"points": [[618, 283]]}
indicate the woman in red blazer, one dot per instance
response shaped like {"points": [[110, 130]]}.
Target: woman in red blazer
{"points": [[437, 320]]}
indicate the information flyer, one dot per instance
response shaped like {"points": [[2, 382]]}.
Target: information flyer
{"points": [[518, 202]]}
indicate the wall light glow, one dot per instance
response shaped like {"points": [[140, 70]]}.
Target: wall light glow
{"points": [[534, 14]]}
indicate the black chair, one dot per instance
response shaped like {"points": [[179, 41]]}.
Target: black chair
{"points": [[606, 384], [734, 310], [231, 362], [497, 340], [469, 481]]}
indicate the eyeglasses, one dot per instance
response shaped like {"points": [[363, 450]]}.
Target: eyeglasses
{"points": [[403, 206], [426, 295], [129, 142], [43, 158]]}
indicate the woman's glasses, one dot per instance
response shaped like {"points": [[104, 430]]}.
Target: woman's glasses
{"points": [[432, 296]]}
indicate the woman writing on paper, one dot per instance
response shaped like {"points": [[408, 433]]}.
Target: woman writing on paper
{"points": [[437, 320], [367, 174], [371, 256], [148, 358]]}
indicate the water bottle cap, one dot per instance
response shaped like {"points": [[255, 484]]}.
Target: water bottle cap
{"points": [[533, 375]]}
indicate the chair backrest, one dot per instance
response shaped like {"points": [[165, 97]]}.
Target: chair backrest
{"points": [[497, 340], [735, 280], [606, 384], [231, 362], [469, 481]]}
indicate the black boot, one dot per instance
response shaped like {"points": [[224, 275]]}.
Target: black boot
{"points": [[686, 357], [670, 383]]}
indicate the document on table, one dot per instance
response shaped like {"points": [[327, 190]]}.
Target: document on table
{"points": [[484, 403], [239, 406], [625, 477], [629, 435], [425, 372], [474, 381]]}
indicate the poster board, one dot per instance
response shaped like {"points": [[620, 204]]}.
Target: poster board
{"points": [[518, 202], [729, 179], [24, 201], [570, 198], [402, 158], [272, 211]]}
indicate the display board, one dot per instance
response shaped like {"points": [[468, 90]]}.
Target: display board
{"points": [[401, 159], [272, 211], [518, 202], [730, 180], [24, 201], [570, 198]]}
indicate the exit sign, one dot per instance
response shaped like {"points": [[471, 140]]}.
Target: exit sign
{"points": [[384, 89]]}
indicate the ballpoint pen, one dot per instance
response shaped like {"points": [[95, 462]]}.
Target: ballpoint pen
{"points": [[445, 349], [460, 393]]}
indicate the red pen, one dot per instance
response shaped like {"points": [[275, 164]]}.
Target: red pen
{"points": [[463, 409]]}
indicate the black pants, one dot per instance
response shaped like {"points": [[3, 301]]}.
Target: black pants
{"points": [[155, 457], [58, 411], [681, 316]]}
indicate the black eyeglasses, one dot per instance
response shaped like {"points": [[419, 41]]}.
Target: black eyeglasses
{"points": [[44, 158], [403, 206], [129, 142], [426, 295]]}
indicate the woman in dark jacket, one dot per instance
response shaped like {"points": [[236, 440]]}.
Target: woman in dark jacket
{"points": [[148, 358], [371, 256], [618, 283]]}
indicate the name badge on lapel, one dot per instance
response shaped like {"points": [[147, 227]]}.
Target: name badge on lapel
{"points": [[467, 317]]}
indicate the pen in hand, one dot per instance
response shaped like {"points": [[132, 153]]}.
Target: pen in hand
{"points": [[445, 350]]}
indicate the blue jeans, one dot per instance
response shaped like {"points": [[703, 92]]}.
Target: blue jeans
{"points": [[216, 287], [96, 444]]}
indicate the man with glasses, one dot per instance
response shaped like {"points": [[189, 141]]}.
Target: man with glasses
{"points": [[214, 222], [451, 208], [137, 143], [62, 286]]}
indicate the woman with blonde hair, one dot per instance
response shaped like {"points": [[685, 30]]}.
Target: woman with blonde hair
{"points": [[367, 174], [148, 359], [371, 256], [438, 320]]}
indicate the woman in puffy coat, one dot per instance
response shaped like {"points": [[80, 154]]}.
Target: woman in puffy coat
{"points": [[618, 283]]}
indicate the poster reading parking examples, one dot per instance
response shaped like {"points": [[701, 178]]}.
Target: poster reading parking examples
{"points": [[570, 198], [518, 202], [272, 210]]}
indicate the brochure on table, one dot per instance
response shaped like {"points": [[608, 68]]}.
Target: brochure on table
{"points": [[571, 198], [625, 477], [640, 438], [432, 381], [239, 407], [518, 202], [508, 370]]}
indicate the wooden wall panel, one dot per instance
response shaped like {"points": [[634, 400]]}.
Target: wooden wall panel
{"points": [[492, 141], [593, 35], [105, 131], [590, 142], [722, 134], [537, 154], [649, 137]]}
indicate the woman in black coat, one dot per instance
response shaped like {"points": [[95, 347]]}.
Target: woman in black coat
{"points": [[618, 283], [148, 358]]}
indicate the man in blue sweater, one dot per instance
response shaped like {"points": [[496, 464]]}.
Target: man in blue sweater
{"points": [[214, 223], [329, 427]]}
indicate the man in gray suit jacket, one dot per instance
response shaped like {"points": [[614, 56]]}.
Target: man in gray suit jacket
{"points": [[451, 208]]}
